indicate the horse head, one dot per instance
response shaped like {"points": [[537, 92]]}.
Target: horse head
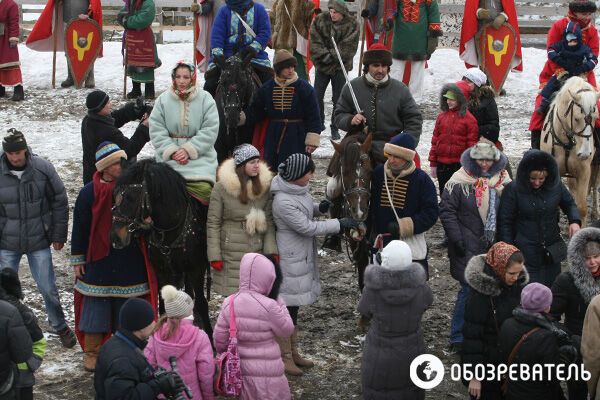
{"points": [[355, 175]]}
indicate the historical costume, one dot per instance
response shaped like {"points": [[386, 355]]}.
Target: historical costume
{"points": [[379, 24], [10, 70], [205, 12]]}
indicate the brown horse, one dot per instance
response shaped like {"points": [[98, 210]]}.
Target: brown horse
{"points": [[567, 134], [350, 190]]}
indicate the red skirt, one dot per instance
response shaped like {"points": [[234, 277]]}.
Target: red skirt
{"points": [[11, 76]]}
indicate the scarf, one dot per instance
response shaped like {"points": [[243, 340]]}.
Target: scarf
{"points": [[487, 190], [374, 81], [286, 82], [99, 245], [239, 6], [497, 258], [183, 95], [597, 273], [582, 24]]}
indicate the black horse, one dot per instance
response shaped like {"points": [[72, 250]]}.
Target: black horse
{"points": [[151, 200], [237, 85]]}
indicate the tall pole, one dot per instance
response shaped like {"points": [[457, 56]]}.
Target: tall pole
{"points": [[125, 64], [55, 43], [195, 26], [362, 44]]}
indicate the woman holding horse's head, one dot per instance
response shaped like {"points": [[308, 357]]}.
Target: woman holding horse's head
{"points": [[468, 213], [184, 125], [239, 216], [529, 215]]}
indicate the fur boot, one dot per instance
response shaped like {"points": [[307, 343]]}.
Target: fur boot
{"points": [[286, 355], [2, 91], [149, 91], [93, 341], [90, 82], [69, 81], [298, 360], [136, 91]]}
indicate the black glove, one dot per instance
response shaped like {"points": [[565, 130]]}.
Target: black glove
{"points": [[324, 206], [140, 107], [394, 230], [365, 13], [169, 382], [249, 51], [122, 18], [568, 354], [432, 44], [460, 249], [347, 223], [219, 60]]}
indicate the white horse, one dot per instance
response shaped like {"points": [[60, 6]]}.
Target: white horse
{"points": [[568, 134]]}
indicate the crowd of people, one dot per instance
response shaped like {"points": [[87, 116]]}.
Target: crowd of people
{"points": [[503, 231]]}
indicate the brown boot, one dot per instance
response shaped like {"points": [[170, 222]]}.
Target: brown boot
{"points": [[298, 360], [93, 341], [286, 356]]}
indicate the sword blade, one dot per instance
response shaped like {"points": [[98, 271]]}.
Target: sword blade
{"points": [[339, 57]]}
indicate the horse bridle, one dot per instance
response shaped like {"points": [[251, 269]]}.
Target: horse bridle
{"points": [[358, 186]]}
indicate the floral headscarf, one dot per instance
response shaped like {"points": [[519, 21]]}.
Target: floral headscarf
{"points": [[187, 64], [497, 258]]}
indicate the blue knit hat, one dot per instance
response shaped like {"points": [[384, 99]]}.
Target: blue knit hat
{"points": [[108, 154], [402, 145]]}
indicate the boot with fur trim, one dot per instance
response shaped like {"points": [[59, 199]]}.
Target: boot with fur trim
{"points": [[286, 355], [93, 341], [298, 360]]}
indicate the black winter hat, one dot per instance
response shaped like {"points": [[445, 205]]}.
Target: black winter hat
{"points": [[9, 281], [135, 314], [96, 100], [583, 6], [15, 141]]}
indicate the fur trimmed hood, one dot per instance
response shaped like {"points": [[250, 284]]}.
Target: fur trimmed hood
{"points": [[395, 286], [587, 285], [470, 165], [460, 97], [231, 183], [481, 277], [535, 160]]}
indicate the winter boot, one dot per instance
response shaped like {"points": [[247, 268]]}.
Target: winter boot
{"points": [[298, 360], [149, 91], [67, 337], [535, 139], [136, 91], [335, 134], [93, 341], [2, 91], [69, 81], [286, 355], [90, 82], [18, 94]]}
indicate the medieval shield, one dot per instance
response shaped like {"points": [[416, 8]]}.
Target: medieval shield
{"points": [[83, 41], [496, 48]]}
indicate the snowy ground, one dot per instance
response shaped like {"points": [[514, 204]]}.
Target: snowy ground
{"points": [[51, 120]]}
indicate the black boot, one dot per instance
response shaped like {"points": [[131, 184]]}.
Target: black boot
{"points": [[535, 139], [18, 94], [149, 91], [2, 91], [136, 91], [333, 242]]}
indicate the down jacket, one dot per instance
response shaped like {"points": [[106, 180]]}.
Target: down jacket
{"points": [[259, 319], [395, 302], [34, 210], [235, 229], [455, 130], [15, 342], [590, 343], [573, 290], [293, 213], [485, 111]]}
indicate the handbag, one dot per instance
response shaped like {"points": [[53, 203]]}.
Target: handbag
{"points": [[556, 252], [228, 374]]}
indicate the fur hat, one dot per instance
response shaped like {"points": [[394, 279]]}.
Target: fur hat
{"points": [[294, 167], [108, 154], [14, 141], [135, 314], [244, 153], [396, 256], [283, 59], [96, 100], [476, 76], [582, 6], [536, 297], [377, 54], [339, 6], [497, 258], [178, 304], [401, 145], [485, 150]]}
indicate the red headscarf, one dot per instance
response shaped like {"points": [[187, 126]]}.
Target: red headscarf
{"points": [[497, 258]]}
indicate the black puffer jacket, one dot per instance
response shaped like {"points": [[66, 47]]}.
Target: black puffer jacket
{"points": [[485, 111], [96, 129], [574, 289], [527, 216], [541, 347], [15, 343]]}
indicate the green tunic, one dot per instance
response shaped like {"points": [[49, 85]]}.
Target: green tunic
{"points": [[140, 19], [415, 24]]}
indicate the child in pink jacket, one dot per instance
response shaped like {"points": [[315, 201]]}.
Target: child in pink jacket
{"points": [[260, 316], [177, 336]]}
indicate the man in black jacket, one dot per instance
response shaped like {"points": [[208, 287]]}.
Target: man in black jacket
{"points": [[122, 371], [102, 124]]}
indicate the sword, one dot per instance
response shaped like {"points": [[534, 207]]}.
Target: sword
{"points": [[354, 100]]}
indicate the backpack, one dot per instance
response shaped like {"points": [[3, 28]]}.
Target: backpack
{"points": [[228, 375]]}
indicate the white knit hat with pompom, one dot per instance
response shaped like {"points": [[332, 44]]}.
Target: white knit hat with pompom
{"points": [[178, 304]]}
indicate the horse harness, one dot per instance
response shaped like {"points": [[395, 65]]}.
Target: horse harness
{"points": [[570, 143], [358, 187]]}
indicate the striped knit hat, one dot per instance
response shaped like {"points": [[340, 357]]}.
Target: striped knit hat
{"points": [[108, 154], [294, 167], [178, 304]]}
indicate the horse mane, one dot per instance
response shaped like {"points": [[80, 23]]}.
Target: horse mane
{"points": [[578, 89]]}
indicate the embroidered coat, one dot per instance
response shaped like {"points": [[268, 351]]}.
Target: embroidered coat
{"points": [[191, 124], [9, 28], [234, 228], [415, 22]]}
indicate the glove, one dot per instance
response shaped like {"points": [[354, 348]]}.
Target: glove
{"points": [[394, 230], [139, 107], [483, 13], [195, 7], [122, 18], [328, 59], [242, 120], [433, 172], [562, 75], [324, 206], [347, 223], [388, 25], [365, 13], [498, 21], [249, 51], [219, 60], [218, 265], [170, 383], [460, 248], [318, 11], [432, 44]]}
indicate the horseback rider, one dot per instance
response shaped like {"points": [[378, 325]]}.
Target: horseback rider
{"points": [[241, 26], [104, 276]]}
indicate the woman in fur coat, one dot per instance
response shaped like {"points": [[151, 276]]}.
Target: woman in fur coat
{"points": [[573, 290], [395, 296], [239, 216], [496, 280]]}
